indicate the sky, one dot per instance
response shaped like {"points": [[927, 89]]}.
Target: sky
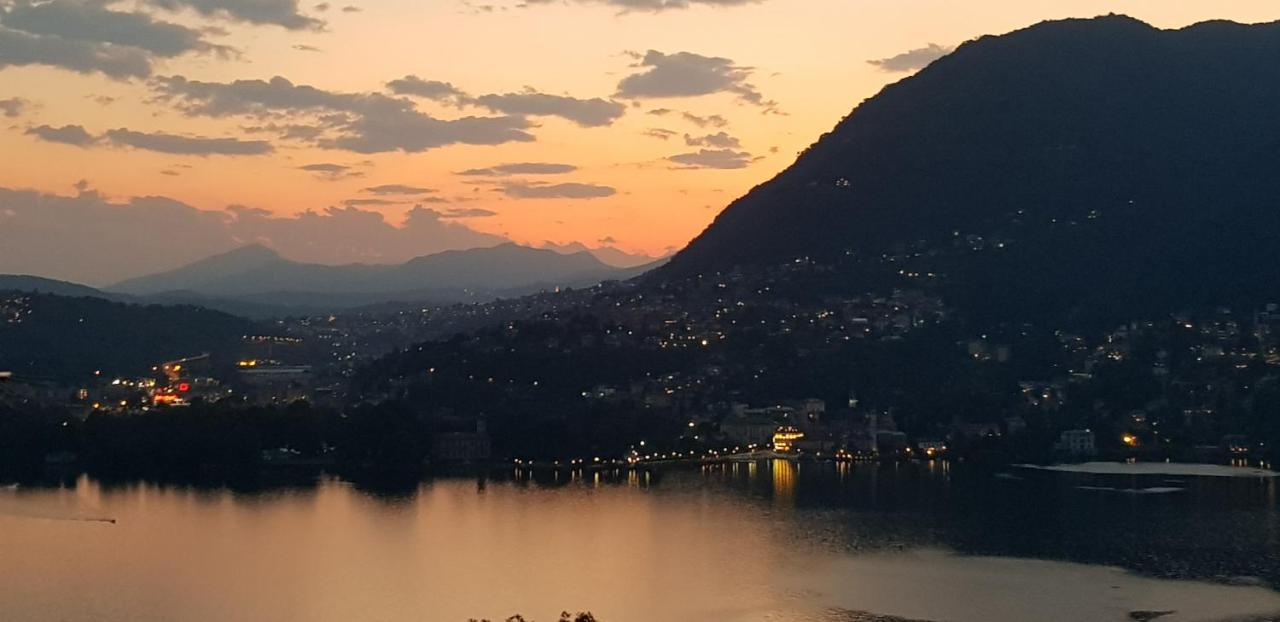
{"points": [[140, 135]]}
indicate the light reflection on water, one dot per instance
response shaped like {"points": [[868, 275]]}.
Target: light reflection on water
{"points": [[745, 541]]}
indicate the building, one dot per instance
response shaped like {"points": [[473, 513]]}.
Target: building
{"points": [[1077, 442], [785, 439], [749, 429], [462, 447]]}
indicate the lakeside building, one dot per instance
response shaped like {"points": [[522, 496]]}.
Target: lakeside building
{"points": [[1077, 442], [462, 447]]}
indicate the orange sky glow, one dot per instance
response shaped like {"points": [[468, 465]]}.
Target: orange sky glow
{"points": [[652, 145]]}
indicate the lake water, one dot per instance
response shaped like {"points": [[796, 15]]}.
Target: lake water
{"points": [[765, 541]]}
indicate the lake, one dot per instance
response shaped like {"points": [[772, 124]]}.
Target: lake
{"points": [[760, 541]]}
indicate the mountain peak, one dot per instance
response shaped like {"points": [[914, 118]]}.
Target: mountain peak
{"points": [[1098, 149]]}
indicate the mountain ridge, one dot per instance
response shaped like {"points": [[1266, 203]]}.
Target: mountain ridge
{"points": [[256, 270], [1111, 157]]}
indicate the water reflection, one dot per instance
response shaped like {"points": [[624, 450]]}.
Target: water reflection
{"points": [[770, 540]]}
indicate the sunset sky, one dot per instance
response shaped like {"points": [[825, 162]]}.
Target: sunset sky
{"points": [[377, 130]]}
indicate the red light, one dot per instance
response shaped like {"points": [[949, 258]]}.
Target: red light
{"points": [[184, 387]]}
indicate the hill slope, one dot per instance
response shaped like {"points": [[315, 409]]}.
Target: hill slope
{"points": [[1098, 163], [68, 338], [28, 283]]}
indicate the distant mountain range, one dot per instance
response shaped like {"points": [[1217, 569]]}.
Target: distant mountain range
{"points": [[607, 254], [1080, 167], [256, 271]]}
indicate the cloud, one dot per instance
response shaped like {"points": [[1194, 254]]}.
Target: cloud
{"points": [[88, 238], [428, 89], [685, 74], [330, 171], [67, 135], [306, 48], [13, 106], [653, 5], [87, 37], [471, 212], [372, 202], [151, 141], [660, 134], [595, 112], [520, 168], [714, 120], [524, 190], [912, 60], [713, 158], [719, 140], [284, 13], [359, 122], [91, 23], [397, 189], [185, 145], [20, 48]]}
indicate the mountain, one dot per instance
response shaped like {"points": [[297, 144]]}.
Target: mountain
{"points": [[258, 274], [27, 283], [1076, 167], [67, 338], [615, 257]]}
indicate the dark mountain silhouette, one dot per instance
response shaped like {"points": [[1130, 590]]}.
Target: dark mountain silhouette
{"points": [[28, 283], [259, 274], [67, 338], [1102, 166]]}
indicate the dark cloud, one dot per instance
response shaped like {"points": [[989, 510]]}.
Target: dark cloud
{"points": [[660, 134], [713, 158], [151, 141], [91, 23], [13, 106], [322, 7], [428, 89], [719, 140], [351, 9], [525, 190], [714, 120], [185, 145], [912, 60], [595, 112], [115, 61], [397, 189], [87, 238], [685, 74], [330, 171], [360, 122], [284, 13], [471, 212], [521, 168], [287, 131], [372, 202], [67, 135], [86, 37]]}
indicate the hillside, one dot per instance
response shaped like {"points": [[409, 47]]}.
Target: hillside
{"points": [[1072, 168], [68, 338], [28, 283]]}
